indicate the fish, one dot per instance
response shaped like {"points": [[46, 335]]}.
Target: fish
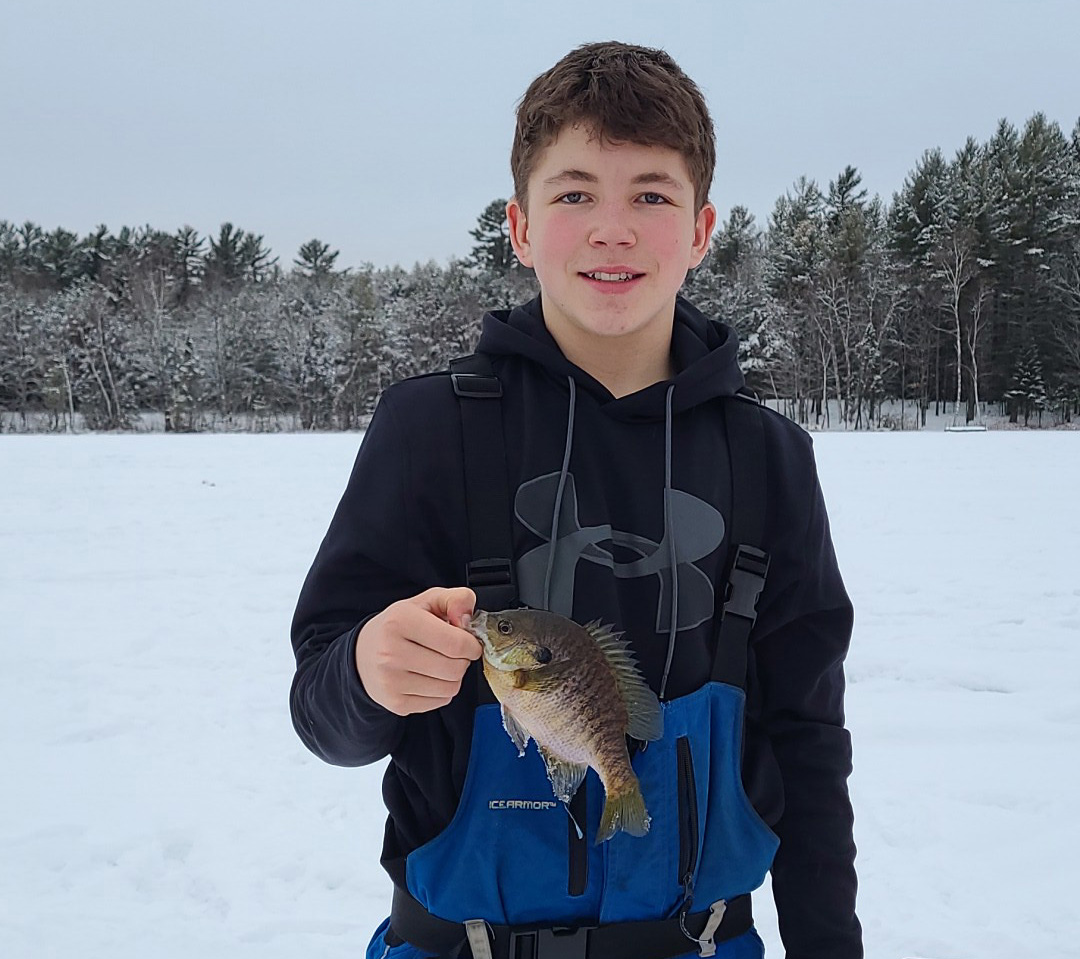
{"points": [[577, 692]]}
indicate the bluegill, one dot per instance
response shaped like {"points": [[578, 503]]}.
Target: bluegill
{"points": [[577, 692]]}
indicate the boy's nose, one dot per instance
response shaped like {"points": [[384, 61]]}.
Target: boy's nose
{"points": [[611, 228]]}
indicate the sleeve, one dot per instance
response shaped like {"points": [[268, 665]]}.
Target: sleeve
{"points": [[799, 660], [368, 559]]}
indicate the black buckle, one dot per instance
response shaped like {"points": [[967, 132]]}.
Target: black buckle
{"points": [[493, 582], [559, 942], [488, 572], [477, 385], [746, 582]]}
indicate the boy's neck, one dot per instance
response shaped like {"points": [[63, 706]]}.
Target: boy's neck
{"points": [[623, 365]]}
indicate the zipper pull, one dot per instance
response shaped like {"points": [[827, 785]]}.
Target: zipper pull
{"points": [[688, 901]]}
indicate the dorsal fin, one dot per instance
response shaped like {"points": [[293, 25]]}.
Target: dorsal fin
{"points": [[646, 716]]}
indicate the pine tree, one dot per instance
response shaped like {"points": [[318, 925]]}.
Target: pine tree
{"points": [[737, 239], [237, 256], [9, 250], [1028, 392], [188, 388], [728, 286], [316, 260], [190, 261], [845, 222], [29, 258], [256, 259], [795, 251], [493, 251]]}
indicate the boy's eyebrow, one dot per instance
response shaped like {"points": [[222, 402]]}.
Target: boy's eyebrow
{"points": [[570, 175], [581, 176], [662, 178]]}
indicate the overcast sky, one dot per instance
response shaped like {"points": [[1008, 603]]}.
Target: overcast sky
{"points": [[384, 128]]}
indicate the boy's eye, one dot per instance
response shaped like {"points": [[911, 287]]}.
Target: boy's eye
{"points": [[572, 198], [653, 199]]}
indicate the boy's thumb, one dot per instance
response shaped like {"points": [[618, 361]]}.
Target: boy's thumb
{"points": [[460, 606], [454, 604]]}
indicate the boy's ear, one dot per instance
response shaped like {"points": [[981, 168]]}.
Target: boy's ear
{"points": [[519, 232], [703, 231]]}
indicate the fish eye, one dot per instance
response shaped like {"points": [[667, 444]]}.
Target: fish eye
{"points": [[543, 654], [505, 627]]}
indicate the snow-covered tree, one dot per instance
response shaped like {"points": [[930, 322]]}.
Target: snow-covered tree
{"points": [[1028, 392]]}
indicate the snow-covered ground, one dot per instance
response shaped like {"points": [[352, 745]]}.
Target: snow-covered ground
{"points": [[154, 801]]}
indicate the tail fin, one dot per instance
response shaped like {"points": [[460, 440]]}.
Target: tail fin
{"points": [[624, 811]]}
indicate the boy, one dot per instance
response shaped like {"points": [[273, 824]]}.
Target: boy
{"points": [[643, 491]]}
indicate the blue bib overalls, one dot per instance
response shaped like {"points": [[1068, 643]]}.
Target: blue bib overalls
{"points": [[513, 855], [508, 856]]}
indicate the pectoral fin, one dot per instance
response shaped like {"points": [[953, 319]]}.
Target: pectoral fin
{"points": [[542, 679], [565, 777], [514, 730]]}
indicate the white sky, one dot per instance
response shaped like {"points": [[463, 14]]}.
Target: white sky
{"points": [[384, 128]]}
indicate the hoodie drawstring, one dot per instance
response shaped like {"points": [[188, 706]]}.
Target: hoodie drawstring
{"points": [[669, 526], [669, 530], [559, 493]]}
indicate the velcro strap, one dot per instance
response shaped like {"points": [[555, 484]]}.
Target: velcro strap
{"points": [[477, 935]]}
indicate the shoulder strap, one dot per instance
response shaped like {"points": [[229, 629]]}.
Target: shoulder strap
{"points": [[748, 564], [490, 570]]}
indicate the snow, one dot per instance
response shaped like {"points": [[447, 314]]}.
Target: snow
{"points": [[156, 801]]}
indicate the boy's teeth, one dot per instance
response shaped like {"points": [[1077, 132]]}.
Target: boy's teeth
{"points": [[611, 276]]}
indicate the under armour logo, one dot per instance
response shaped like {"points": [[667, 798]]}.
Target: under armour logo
{"points": [[696, 528]]}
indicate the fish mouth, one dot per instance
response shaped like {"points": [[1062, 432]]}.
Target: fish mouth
{"points": [[478, 626]]}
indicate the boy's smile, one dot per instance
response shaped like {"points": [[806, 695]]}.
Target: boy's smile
{"points": [[611, 233]]}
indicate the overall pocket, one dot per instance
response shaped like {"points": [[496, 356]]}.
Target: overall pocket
{"points": [[688, 813]]}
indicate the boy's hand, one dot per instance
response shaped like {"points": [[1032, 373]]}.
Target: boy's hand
{"points": [[412, 656]]}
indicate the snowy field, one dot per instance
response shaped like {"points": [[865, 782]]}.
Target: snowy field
{"points": [[156, 803]]}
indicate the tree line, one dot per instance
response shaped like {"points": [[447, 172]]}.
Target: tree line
{"points": [[213, 333], [961, 292]]}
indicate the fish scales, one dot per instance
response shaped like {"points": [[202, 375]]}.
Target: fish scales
{"points": [[576, 691]]}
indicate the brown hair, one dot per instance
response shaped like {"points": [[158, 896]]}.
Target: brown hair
{"points": [[625, 94]]}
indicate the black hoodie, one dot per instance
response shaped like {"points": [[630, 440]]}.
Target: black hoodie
{"points": [[607, 464]]}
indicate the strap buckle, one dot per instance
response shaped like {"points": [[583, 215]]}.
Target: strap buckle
{"points": [[559, 942], [479, 386], [746, 582], [706, 946], [494, 571], [492, 580]]}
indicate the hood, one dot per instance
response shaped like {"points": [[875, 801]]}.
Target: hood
{"points": [[705, 352]]}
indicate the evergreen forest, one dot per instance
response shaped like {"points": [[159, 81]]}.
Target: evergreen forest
{"points": [[961, 294]]}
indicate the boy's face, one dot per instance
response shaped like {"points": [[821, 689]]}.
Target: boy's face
{"points": [[611, 233]]}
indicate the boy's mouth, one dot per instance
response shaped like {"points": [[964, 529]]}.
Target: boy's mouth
{"points": [[611, 282], [622, 276]]}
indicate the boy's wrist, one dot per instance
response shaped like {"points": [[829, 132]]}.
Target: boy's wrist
{"points": [[355, 682]]}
